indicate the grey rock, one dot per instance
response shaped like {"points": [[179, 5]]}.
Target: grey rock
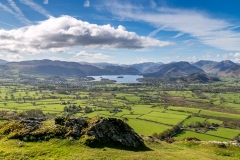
{"points": [[115, 130]]}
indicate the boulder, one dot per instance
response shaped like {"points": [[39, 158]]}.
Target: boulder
{"points": [[115, 130]]}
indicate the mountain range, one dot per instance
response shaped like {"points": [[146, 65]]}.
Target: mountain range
{"points": [[175, 69], [225, 68], [215, 67]]}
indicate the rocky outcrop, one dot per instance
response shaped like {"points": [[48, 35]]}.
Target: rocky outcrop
{"points": [[115, 130], [92, 130], [32, 123], [73, 125]]}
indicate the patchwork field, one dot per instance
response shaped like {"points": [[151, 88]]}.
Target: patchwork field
{"points": [[219, 114], [165, 118], [193, 120], [145, 127], [225, 132], [203, 137], [148, 109]]}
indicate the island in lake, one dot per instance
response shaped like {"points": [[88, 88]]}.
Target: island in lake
{"points": [[120, 77]]}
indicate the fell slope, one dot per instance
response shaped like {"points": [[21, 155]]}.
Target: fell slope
{"points": [[215, 67], [147, 67], [175, 69], [232, 72], [63, 68]]}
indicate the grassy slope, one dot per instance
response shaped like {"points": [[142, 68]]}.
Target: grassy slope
{"points": [[65, 149]]}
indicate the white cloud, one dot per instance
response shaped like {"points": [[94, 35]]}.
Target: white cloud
{"points": [[193, 59], [211, 31], [208, 55], [88, 57], [64, 49], [232, 55], [45, 2], [86, 3], [36, 7], [14, 57], [63, 32]]}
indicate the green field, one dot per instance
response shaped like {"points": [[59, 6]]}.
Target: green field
{"points": [[146, 106], [145, 127], [214, 121], [219, 114], [193, 120], [203, 137], [131, 115], [165, 118], [225, 132], [185, 109]]}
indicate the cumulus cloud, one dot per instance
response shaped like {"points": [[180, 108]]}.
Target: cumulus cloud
{"points": [[84, 56], [66, 31], [14, 57], [218, 33], [208, 55], [232, 56], [86, 3], [193, 59], [64, 49], [36, 7]]}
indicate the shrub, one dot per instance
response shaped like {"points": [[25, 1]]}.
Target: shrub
{"points": [[170, 140]]}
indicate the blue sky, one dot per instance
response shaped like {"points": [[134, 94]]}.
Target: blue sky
{"points": [[120, 31]]}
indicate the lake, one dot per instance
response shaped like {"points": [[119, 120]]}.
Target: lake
{"points": [[125, 79]]}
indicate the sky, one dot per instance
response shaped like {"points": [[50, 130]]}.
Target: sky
{"points": [[120, 31]]}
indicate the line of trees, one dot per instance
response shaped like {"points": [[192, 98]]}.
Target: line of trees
{"points": [[168, 133]]}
